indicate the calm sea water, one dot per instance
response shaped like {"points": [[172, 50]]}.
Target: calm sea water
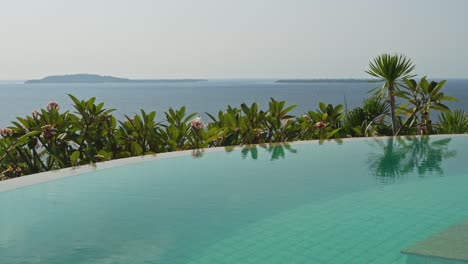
{"points": [[18, 99]]}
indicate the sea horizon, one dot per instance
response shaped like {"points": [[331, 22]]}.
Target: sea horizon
{"points": [[6, 81], [199, 97]]}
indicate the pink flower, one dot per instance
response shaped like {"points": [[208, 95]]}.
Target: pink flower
{"points": [[258, 133], [52, 105], [421, 128], [6, 132], [197, 124], [48, 131], [320, 125], [35, 114], [306, 117]]}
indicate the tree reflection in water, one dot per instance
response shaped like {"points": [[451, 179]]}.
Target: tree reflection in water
{"points": [[399, 157], [276, 150]]}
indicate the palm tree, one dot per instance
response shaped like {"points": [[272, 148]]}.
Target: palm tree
{"points": [[392, 70]]}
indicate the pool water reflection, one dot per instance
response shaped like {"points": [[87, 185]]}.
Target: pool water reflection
{"points": [[350, 201]]}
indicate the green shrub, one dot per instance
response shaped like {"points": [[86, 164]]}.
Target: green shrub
{"points": [[453, 122], [49, 139]]}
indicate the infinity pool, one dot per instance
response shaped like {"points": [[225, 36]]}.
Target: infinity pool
{"points": [[355, 201]]}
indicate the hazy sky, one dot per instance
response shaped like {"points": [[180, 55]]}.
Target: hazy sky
{"points": [[229, 39]]}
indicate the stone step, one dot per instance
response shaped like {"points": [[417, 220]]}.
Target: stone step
{"points": [[448, 247]]}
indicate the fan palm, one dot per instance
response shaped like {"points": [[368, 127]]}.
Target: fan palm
{"points": [[392, 70]]}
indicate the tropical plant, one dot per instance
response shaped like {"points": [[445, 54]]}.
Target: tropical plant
{"points": [[50, 139], [177, 129], [452, 122], [246, 125], [92, 130], [140, 134], [392, 70], [280, 125], [324, 123], [226, 127], [423, 97], [43, 141], [368, 119]]}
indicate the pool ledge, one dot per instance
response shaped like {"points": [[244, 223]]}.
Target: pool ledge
{"points": [[42, 177]]}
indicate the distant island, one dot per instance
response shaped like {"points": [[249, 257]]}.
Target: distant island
{"points": [[94, 78], [324, 81]]}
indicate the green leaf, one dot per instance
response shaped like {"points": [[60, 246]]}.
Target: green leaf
{"points": [[322, 107], [74, 157], [136, 149], [449, 98], [331, 134], [105, 154]]}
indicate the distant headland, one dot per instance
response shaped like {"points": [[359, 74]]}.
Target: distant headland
{"points": [[94, 78], [324, 81]]}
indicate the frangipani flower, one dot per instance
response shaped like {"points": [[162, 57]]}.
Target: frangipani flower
{"points": [[320, 125], [35, 114], [307, 117], [6, 132], [52, 105], [421, 128], [197, 124], [258, 132], [48, 131]]}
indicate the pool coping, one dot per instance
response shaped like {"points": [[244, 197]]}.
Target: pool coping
{"points": [[24, 181]]}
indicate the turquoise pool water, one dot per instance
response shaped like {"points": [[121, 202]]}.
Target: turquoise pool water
{"points": [[356, 201]]}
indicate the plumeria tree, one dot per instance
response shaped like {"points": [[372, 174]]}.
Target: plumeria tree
{"points": [[50, 138], [422, 98]]}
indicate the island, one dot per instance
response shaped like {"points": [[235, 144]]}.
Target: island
{"points": [[324, 81], [94, 78]]}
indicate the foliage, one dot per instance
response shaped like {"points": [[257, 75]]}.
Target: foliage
{"points": [[324, 123], [422, 98], [368, 120], [50, 139], [453, 122], [400, 156], [392, 70]]}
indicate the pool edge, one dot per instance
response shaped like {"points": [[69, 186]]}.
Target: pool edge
{"points": [[47, 176]]}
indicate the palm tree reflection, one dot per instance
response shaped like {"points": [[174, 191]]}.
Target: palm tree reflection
{"points": [[276, 150], [399, 157]]}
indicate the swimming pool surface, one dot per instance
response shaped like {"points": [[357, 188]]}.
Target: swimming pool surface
{"points": [[355, 201]]}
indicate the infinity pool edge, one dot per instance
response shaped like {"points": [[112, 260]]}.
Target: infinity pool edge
{"points": [[42, 177]]}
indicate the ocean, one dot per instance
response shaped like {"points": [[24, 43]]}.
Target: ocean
{"points": [[19, 99]]}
